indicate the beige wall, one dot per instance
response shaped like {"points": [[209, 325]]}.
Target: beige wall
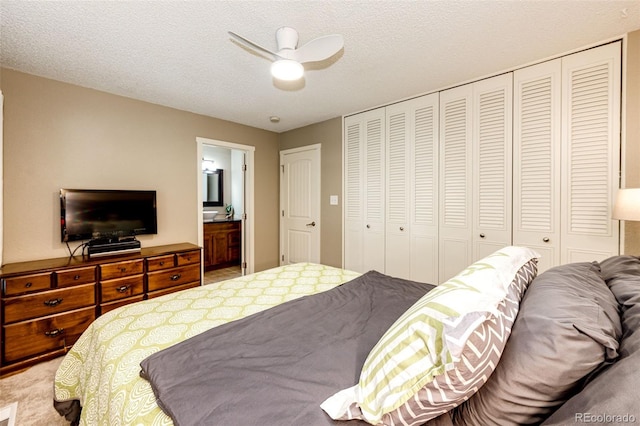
{"points": [[329, 135], [58, 135], [632, 132]]}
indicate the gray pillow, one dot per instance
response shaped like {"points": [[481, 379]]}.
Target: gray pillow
{"points": [[612, 396], [567, 327]]}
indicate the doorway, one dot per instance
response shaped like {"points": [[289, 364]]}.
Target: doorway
{"points": [[240, 189], [300, 205]]}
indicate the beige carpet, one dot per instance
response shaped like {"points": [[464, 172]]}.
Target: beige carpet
{"points": [[33, 390]]}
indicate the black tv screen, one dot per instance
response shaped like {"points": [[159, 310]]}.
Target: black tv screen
{"points": [[98, 213]]}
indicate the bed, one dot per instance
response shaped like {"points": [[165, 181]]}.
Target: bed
{"points": [[198, 356], [101, 371]]}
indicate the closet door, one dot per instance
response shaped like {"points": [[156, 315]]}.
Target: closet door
{"points": [[591, 153], [364, 191], [455, 214], [412, 190], [492, 160], [536, 160]]}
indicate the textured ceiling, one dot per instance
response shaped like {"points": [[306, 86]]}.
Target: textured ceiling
{"points": [[178, 53]]}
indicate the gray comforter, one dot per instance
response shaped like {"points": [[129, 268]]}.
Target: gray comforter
{"points": [[276, 367]]}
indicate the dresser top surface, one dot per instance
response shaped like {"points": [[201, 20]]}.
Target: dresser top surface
{"points": [[34, 266]]}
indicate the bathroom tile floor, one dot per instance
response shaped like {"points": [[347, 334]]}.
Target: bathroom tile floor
{"points": [[222, 274]]}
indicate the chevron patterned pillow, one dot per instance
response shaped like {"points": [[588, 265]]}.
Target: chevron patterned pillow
{"points": [[443, 348]]}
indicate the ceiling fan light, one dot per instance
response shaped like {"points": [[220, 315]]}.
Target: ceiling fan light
{"points": [[287, 69]]}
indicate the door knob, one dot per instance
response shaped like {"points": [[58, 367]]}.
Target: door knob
{"points": [[312, 223], [545, 239], [481, 235]]}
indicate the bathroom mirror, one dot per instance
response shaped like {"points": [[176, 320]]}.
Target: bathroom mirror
{"points": [[212, 188]]}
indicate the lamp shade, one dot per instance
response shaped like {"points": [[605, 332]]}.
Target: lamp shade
{"points": [[627, 205]]}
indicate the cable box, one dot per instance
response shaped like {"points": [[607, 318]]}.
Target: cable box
{"points": [[99, 249]]}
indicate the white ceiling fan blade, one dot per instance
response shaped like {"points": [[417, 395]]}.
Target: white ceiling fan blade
{"points": [[318, 49], [248, 42]]}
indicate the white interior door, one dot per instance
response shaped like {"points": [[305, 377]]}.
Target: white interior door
{"points": [[300, 205]]}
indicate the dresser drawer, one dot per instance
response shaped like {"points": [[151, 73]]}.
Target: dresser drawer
{"points": [[48, 302], [173, 277], [106, 307], [158, 263], [121, 288], [121, 269], [76, 276], [29, 338], [169, 290], [188, 258], [27, 283]]}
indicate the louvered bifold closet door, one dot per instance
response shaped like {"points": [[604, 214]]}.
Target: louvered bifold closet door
{"points": [[492, 160], [364, 191], [455, 203], [536, 160], [353, 193], [412, 190], [591, 152]]}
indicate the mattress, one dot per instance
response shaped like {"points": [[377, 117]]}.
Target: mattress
{"points": [[102, 370]]}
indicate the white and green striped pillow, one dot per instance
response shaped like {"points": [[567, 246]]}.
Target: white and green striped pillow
{"points": [[443, 348]]}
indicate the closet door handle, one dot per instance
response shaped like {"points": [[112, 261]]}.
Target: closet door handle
{"points": [[312, 223], [481, 235], [545, 239]]}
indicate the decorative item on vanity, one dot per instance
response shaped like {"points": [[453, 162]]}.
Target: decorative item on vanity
{"points": [[229, 210], [289, 58]]}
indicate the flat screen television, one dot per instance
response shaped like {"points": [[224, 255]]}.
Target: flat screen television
{"points": [[87, 214]]}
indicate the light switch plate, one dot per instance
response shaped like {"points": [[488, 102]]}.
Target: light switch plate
{"points": [[333, 200]]}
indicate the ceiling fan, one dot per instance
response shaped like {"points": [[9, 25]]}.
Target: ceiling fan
{"points": [[288, 59]]}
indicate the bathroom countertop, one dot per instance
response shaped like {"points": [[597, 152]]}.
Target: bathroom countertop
{"points": [[220, 220]]}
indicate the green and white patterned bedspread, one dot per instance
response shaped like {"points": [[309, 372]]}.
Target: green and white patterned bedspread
{"points": [[102, 369]]}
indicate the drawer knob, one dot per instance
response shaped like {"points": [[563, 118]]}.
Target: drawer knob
{"points": [[54, 333], [76, 277], [123, 289], [175, 277], [53, 302], [123, 269], [29, 284], [162, 263]]}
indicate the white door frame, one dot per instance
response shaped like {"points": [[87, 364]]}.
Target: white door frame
{"points": [[318, 148], [248, 229]]}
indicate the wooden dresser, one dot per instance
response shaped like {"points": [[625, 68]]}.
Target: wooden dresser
{"points": [[46, 304]]}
